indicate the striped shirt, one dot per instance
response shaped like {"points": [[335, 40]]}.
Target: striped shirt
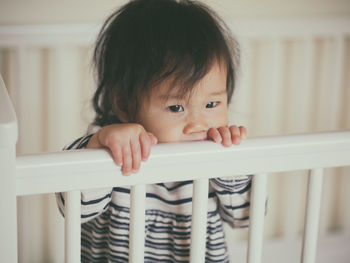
{"points": [[105, 218]]}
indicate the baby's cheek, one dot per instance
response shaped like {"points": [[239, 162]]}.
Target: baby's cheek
{"points": [[225, 118], [221, 120], [170, 134]]}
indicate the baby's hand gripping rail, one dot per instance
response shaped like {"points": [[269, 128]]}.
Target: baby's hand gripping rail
{"points": [[72, 171]]}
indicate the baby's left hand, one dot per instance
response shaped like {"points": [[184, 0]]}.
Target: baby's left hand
{"points": [[228, 135]]}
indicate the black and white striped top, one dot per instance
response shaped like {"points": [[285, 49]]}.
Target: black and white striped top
{"points": [[105, 217]]}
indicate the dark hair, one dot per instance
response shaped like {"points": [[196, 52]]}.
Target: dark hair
{"points": [[147, 41]]}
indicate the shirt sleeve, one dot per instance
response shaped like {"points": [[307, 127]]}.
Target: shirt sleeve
{"points": [[233, 195], [93, 202]]}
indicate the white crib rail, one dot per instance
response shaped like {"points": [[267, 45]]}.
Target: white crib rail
{"points": [[69, 171], [72, 170]]}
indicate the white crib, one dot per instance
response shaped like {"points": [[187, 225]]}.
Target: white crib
{"points": [[71, 171], [25, 175]]}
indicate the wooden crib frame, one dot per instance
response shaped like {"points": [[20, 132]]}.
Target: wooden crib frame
{"points": [[199, 161]]}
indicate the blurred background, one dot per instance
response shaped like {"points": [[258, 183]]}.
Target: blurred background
{"points": [[295, 78]]}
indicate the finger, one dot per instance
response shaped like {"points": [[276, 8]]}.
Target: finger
{"points": [[145, 142], [154, 139], [127, 160], [226, 136], [136, 155], [214, 135], [243, 132], [117, 154], [235, 135]]}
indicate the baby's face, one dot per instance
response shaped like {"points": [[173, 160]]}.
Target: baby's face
{"points": [[172, 118]]}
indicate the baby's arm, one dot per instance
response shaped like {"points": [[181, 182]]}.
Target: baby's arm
{"points": [[94, 201], [129, 144], [233, 193]]}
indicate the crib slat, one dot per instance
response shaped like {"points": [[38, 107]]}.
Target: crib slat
{"points": [[257, 214], [20, 96], [72, 226], [335, 92], [137, 223], [199, 220], [63, 95], [313, 206], [273, 91]]}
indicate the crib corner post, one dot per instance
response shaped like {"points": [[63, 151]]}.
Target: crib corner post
{"points": [[8, 204]]}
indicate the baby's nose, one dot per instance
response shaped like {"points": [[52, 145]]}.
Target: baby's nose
{"points": [[196, 124]]}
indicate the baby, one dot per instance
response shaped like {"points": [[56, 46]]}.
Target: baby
{"points": [[165, 73]]}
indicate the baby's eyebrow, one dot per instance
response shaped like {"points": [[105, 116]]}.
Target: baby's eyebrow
{"points": [[165, 97], [218, 93], [178, 96]]}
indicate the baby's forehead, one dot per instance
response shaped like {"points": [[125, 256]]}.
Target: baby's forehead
{"points": [[163, 94], [167, 90], [179, 88]]}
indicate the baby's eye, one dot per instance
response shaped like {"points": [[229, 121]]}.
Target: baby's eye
{"points": [[212, 104], [176, 108]]}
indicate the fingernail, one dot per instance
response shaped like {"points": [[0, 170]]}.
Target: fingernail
{"points": [[244, 136], [126, 173]]}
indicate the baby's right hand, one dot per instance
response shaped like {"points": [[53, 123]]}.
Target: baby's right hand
{"points": [[129, 143]]}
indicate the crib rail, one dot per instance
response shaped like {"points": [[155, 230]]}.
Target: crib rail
{"points": [[74, 170], [83, 34]]}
